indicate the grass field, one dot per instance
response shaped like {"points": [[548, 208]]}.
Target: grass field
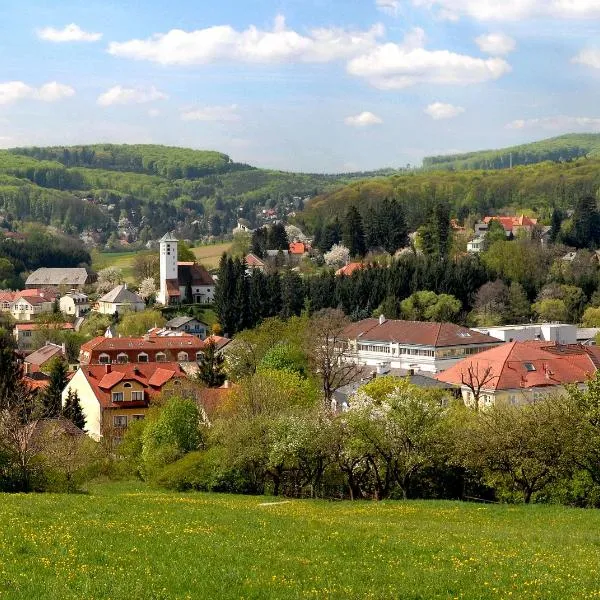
{"points": [[210, 255], [124, 541]]}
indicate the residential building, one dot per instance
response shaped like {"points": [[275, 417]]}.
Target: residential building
{"points": [[350, 268], [26, 307], [520, 372], [181, 348], [60, 278], [219, 341], [120, 300], [25, 334], [476, 245], [74, 304], [243, 226], [114, 396], [182, 282], [41, 359], [253, 262], [413, 345], [189, 325], [512, 225], [564, 333]]}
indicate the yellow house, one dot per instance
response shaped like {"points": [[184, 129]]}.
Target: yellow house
{"points": [[113, 396]]}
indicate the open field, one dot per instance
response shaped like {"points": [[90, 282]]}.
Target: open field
{"points": [[210, 255], [121, 260], [127, 541]]}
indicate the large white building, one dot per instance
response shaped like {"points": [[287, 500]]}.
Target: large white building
{"points": [[182, 282], [414, 345], [563, 333]]}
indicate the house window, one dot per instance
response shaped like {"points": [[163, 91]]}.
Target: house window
{"points": [[117, 396], [182, 357], [104, 359], [198, 356], [137, 417], [161, 357], [530, 367], [27, 334], [142, 357], [137, 396], [122, 358], [126, 385], [120, 421]]}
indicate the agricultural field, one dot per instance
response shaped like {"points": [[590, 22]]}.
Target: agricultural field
{"points": [[210, 255], [121, 260], [126, 541]]}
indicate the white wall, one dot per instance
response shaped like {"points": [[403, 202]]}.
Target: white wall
{"points": [[88, 401]]}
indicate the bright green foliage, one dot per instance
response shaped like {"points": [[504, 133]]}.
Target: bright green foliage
{"points": [[138, 323], [285, 357], [591, 317], [429, 306], [552, 310], [184, 253]]}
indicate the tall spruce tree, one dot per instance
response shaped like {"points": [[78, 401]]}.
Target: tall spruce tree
{"points": [[353, 235], [397, 228], [586, 223], [52, 396], [292, 296], [555, 224], [73, 411], [277, 237], [211, 366], [11, 371]]}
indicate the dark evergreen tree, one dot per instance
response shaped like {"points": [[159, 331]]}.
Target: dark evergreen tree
{"points": [[292, 296], [396, 236], [11, 371], [258, 245], [211, 366], [371, 226], [277, 237], [332, 234], [52, 395], [586, 223], [436, 233], [353, 236], [555, 225], [72, 410]]}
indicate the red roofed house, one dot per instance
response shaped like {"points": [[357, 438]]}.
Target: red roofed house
{"points": [[25, 333], [298, 248], [182, 281], [113, 396], [253, 262], [350, 268], [519, 372], [414, 345], [150, 348], [513, 224], [28, 304]]}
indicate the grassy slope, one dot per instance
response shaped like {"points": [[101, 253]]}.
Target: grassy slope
{"points": [[210, 254], [125, 541]]}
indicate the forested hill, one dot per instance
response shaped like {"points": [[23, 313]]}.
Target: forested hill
{"points": [[557, 149], [534, 188]]}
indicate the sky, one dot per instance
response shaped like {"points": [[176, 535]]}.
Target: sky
{"points": [[302, 85]]}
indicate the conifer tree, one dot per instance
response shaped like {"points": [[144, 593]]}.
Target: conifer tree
{"points": [[73, 411], [211, 366], [353, 236], [52, 396]]}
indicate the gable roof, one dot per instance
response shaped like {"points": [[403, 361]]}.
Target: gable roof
{"points": [[190, 273], [44, 354], [102, 378], [417, 333], [36, 326], [121, 295], [350, 268], [58, 276], [153, 343], [298, 248], [511, 222], [253, 261], [219, 341], [179, 321], [527, 364], [168, 237]]}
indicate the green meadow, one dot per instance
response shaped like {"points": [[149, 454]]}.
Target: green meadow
{"points": [[128, 541]]}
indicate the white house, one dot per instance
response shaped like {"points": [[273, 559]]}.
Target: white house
{"points": [[182, 282], [29, 307], [74, 303], [120, 300], [476, 245], [414, 345]]}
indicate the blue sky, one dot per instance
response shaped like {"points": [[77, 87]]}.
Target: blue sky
{"points": [[305, 85]]}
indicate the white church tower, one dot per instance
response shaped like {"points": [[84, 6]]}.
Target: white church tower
{"points": [[168, 266]]}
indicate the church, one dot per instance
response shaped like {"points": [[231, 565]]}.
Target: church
{"points": [[182, 282]]}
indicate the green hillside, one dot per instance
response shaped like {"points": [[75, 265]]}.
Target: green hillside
{"points": [[558, 149], [126, 541]]}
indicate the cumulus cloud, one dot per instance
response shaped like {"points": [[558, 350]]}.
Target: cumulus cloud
{"points": [[212, 113], [496, 44], [440, 110], [123, 95], [390, 7], [13, 91], [224, 43], [589, 57], [363, 119], [396, 66], [513, 10], [69, 33], [557, 123]]}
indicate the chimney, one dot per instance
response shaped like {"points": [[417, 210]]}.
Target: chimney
{"points": [[107, 368], [381, 319]]}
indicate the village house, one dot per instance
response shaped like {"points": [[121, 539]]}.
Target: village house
{"points": [[253, 262], [27, 306], [25, 334], [182, 282], [350, 268], [413, 345], [150, 348], [243, 226], [41, 359], [74, 304], [120, 300], [60, 278], [521, 372], [512, 225], [114, 396], [189, 325]]}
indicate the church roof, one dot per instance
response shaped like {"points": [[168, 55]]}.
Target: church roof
{"points": [[168, 237], [193, 274]]}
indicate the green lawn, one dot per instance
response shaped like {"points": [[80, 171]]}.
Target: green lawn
{"points": [[121, 260], [126, 541]]}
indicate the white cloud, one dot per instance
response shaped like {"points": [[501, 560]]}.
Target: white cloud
{"points": [[223, 43], [13, 91], [122, 95], [513, 10], [390, 7], [212, 113], [557, 123], [589, 57], [154, 112], [363, 119], [69, 33], [396, 66], [496, 44], [439, 110]]}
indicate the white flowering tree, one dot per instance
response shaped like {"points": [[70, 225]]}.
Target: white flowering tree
{"points": [[295, 233], [108, 279], [147, 289], [338, 256]]}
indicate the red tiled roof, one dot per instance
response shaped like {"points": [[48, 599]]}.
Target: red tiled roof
{"points": [[212, 399], [173, 287], [102, 378], [418, 333], [298, 248], [253, 261], [526, 365], [220, 341], [36, 326], [151, 342], [350, 268], [511, 222]]}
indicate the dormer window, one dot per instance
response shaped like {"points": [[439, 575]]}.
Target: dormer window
{"points": [[104, 359], [182, 357], [122, 358], [142, 357], [529, 367], [126, 385]]}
